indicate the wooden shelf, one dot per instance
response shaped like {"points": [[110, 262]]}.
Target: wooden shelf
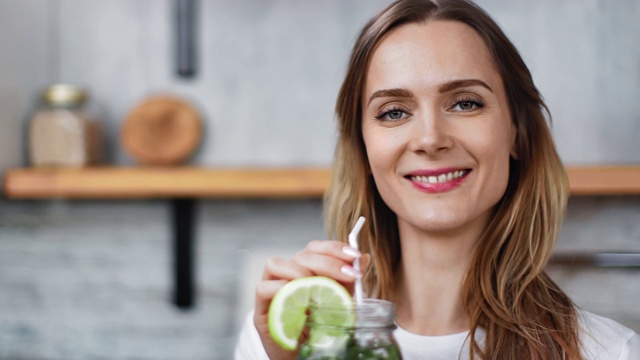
{"points": [[604, 180], [183, 185], [167, 182], [193, 182]]}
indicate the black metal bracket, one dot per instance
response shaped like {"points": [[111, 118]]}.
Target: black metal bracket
{"points": [[183, 211], [185, 41]]}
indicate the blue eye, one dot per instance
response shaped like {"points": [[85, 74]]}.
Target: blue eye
{"points": [[391, 115], [467, 105]]}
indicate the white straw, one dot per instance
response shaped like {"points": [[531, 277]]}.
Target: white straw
{"points": [[353, 242]]}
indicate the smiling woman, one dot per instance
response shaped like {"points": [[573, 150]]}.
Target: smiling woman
{"points": [[432, 115], [444, 146]]}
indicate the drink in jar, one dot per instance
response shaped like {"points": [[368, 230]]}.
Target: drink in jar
{"points": [[367, 333]]}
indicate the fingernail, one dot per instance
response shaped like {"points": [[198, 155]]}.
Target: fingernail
{"points": [[351, 251], [350, 271]]}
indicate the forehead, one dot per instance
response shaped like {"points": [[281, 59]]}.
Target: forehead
{"points": [[430, 53]]}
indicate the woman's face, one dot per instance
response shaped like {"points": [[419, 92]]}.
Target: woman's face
{"points": [[436, 126]]}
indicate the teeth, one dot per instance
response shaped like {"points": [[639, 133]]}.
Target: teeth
{"points": [[440, 178]]}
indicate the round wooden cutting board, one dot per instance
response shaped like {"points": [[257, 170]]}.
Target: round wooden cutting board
{"points": [[162, 130]]}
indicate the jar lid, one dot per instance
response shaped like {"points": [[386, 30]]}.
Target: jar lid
{"points": [[64, 94]]}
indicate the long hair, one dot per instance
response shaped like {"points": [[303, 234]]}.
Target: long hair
{"points": [[506, 292]]}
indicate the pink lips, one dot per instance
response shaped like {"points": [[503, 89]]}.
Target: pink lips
{"points": [[438, 180]]}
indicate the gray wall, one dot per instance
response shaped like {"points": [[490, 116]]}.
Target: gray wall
{"points": [[90, 280], [24, 68]]}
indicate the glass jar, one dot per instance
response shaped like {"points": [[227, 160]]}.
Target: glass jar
{"points": [[62, 130], [370, 337]]}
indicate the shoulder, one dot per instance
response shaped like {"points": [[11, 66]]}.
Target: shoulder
{"points": [[603, 338]]}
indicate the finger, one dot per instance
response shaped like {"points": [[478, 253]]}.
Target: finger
{"points": [[327, 265], [278, 268], [265, 291], [333, 248]]}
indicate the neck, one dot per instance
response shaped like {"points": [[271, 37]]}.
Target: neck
{"points": [[430, 279]]}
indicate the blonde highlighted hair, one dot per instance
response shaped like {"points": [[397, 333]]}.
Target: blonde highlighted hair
{"points": [[524, 314]]}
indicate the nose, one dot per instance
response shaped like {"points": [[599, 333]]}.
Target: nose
{"points": [[431, 135]]}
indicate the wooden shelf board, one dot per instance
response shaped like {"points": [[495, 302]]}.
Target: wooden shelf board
{"points": [[604, 180], [194, 182], [169, 182]]}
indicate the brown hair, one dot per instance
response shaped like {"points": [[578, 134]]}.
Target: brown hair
{"points": [[506, 292]]}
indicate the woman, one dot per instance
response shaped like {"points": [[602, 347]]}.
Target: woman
{"points": [[444, 147]]}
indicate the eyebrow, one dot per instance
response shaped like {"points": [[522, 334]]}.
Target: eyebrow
{"points": [[390, 93], [443, 88], [452, 85]]}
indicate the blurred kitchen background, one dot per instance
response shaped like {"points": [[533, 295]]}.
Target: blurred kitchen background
{"points": [[92, 279]]}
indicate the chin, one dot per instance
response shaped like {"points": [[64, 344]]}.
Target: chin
{"points": [[439, 224]]}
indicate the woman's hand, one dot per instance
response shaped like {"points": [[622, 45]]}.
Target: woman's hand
{"points": [[328, 258]]}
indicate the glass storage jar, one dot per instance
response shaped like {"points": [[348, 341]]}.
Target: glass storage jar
{"points": [[370, 336], [63, 131]]}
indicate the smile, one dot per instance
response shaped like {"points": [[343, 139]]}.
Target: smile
{"points": [[438, 181], [442, 178]]}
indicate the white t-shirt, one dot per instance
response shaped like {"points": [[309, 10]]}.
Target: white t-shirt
{"points": [[602, 339]]}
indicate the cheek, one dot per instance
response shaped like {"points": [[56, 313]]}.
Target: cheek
{"points": [[495, 140], [382, 154], [381, 150], [496, 152], [491, 146]]}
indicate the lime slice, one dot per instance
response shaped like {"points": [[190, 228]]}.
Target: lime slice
{"points": [[288, 309]]}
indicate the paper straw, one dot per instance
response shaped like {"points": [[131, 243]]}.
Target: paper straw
{"points": [[353, 242]]}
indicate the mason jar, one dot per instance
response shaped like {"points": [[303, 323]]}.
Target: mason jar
{"points": [[369, 336], [64, 131]]}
